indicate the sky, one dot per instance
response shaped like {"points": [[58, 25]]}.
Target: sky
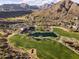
{"points": [[30, 2]]}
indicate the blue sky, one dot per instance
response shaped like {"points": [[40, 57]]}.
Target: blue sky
{"points": [[31, 2]]}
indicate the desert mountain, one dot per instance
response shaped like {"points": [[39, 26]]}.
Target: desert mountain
{"points": [[64, 13], [61, 9], [45, 6], [17, 7], [15, 10]]}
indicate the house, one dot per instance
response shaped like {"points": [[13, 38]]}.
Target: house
{"points": [[27, 29]]}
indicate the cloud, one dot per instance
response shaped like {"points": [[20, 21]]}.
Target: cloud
{"points": [[77, 1], [37, 2], [31, 2], [24, 1]]}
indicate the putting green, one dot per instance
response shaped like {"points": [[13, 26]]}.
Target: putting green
{"points": [[67, 34]]}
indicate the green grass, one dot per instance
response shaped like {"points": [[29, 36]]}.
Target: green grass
{"points": [[67, 34], [8, 19], [45, 49], [0, 34]]}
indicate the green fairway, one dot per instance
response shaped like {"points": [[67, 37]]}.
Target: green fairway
{"points": [[0, 34], [67, 34], [46, 49]]}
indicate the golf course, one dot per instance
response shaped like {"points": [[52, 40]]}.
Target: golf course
{"points": [[46, 49]]}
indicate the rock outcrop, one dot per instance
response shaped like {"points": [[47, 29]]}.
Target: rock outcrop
{"points": [[64, 13]]}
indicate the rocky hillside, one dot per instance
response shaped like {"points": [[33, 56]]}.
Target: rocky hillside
{"points": [[9, 52], [64, 13], [60, 9]]}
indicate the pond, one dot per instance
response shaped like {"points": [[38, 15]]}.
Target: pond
{"points": [[43, 34]]}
